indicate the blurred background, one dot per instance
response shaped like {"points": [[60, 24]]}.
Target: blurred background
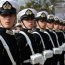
{"points": [[56, 7]]}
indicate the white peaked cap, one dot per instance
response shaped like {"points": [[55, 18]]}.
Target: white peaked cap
{"points": [[50, 15], [39, 13], [56, 18], [21, 13]]}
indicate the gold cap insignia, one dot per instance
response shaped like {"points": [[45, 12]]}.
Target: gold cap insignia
{"points": [[7, 5], [43, 15], [56, 19], [51, 17], [28, 12]]}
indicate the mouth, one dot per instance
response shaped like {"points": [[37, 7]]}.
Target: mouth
{"points": [[7, 23], [30, 25]]}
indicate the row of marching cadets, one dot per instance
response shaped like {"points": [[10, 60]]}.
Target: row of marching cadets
{"points": [[44, 44], [41, 41], [28, 48]]}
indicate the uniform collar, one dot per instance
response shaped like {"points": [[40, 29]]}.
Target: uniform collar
{"points": [[42, 30], [55, 30], [37, 29], [49, 29], [27, 30], [9, 32], [3, 30]]}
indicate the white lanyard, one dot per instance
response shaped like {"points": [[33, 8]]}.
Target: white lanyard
{"points": [[28, 41], [50, 38], [41, 39], [7, 50], [63, 34], [56, 38]]}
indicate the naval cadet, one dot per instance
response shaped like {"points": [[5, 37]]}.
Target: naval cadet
{"points": [[41, 37], [9, 54], [52, 35], [60, 38], [25, 39]]}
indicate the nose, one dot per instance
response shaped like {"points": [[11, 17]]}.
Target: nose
{"points": [[7, 17]]}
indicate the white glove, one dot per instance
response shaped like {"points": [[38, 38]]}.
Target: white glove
{"points": [[63, 47], [57, 50], [37, 58], [48, 54]]}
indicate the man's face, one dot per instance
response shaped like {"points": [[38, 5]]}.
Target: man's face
{"points": [[42, 24], [56, 26], [60, 27], [63, 27], [50, 25], [28, 23], [7, 21]]}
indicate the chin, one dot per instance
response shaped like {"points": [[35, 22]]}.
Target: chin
{"points": [[29, 28], [8, 27]]}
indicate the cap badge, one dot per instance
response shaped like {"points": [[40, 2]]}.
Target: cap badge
{"points": [[28, 12], [56, 19], [43, 15], [51, 17], [7, 5]]}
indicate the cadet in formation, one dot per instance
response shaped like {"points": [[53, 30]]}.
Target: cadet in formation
{"points": [[55, 29], [9, 54], [52, 36], [58, 26], [44, 43], [25, 39]]}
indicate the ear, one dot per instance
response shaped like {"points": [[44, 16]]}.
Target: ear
{"points": [[21, 23]]}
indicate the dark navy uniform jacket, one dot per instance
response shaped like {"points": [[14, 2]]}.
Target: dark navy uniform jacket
{"points": [[61, 38], [53, 36], [47, 43], [11, 42], [45, 38], [25, 51]]}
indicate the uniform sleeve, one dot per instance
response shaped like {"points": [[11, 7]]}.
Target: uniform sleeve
{"points": [[64, 38], [1, 52], [38, 42], [16, 53], [21, 45]]}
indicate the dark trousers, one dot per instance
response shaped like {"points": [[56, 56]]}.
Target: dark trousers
{"points": [[28, 64], [58, 58], [48, 61], [61, 59]]}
